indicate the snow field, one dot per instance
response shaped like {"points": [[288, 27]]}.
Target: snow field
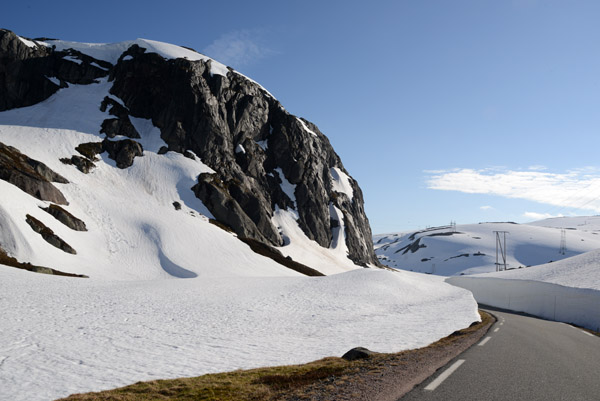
{"points": [[63, 335]]}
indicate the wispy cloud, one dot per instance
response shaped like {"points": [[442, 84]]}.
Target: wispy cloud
{"points": [[540, 216], [486, 207], [238, 48], [578, 189]]}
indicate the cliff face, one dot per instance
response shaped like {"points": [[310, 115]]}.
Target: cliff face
{"points": [[264, 159]]}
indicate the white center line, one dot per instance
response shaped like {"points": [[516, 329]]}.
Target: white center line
{"points": [[485, 340], [496, 329], [440, 379]]}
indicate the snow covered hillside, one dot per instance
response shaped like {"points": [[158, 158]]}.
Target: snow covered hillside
{"points": [[471, 248], [90, 185]]}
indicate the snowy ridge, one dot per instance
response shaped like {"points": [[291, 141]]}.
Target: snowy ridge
{"points": [[471, 248], [111, 52]]}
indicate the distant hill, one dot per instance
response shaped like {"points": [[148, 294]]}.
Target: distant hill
{"points": [[471, 248]]}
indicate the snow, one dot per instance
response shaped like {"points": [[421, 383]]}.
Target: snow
{"points": [[54, 80], [445, 250], [263, 144], [305, 127], [111, 52], [338, 241], [73, 59], [28, 42], [287, 187], [64, 335], [341, 182], [240, 149]]}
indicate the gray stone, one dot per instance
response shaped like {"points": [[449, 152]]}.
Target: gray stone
{"points": [[65, 217], [48, 235], [30, 175], [358, 353]]}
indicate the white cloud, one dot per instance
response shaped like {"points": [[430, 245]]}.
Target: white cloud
{"points": [[540, 216], [578, 189], [238, 48], [486, 207]]}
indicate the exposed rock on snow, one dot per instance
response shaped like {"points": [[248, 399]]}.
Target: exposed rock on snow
{"points": [[48, 235], [65, 217], [30, 175], [123, 151]]}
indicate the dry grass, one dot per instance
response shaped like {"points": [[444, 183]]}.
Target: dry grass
{"points": [[305, 381]]}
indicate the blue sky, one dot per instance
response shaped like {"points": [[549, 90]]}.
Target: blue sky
{"points": [[465, 110]]}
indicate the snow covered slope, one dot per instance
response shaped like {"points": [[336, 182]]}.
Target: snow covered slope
{"points": [[581, 271], [64, 335], [134, 231], [470, 249]]}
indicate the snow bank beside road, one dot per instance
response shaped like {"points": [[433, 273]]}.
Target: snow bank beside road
{"points": [[547, 300]]}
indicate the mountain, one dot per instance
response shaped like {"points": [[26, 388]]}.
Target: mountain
{"points": [[471, 248], [142, 145], [196, 206]]}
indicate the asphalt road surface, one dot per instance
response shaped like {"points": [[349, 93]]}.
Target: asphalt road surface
{"points": [[520, 358]]}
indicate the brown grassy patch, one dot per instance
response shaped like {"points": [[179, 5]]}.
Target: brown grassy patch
{"points": [[305, 381]]}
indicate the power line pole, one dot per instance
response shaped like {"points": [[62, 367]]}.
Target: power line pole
{"points": [[500, 249], [563, 242]]}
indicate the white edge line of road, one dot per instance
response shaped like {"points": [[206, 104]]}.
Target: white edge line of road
{"points": [[440, 379], [485, 340], [589, 334]]}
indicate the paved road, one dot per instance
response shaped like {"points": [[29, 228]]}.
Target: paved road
{"points": [[521, 358]]}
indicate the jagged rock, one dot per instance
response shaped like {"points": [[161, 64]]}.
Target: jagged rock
{"points": [[177, 205], [48, 235], [83, 164], [121, 125], [65, 217], [90, 150], [24, 71], [358, 353], [213, 116], [123, 151], [30, 175]]}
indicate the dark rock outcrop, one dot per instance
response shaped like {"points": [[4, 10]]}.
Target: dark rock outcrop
{"points": [[26, 72], [30, 175], [83, 164], [48, 235], [65, 217], [247, 137], [123, 152]]}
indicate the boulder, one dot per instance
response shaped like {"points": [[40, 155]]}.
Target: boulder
{"points": [[48, 235], [30, 175]]}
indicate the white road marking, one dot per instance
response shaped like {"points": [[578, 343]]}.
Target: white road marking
{"points": [[496, 329], [501, 323], [440, 379], [485, 340], [589, 334]]}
